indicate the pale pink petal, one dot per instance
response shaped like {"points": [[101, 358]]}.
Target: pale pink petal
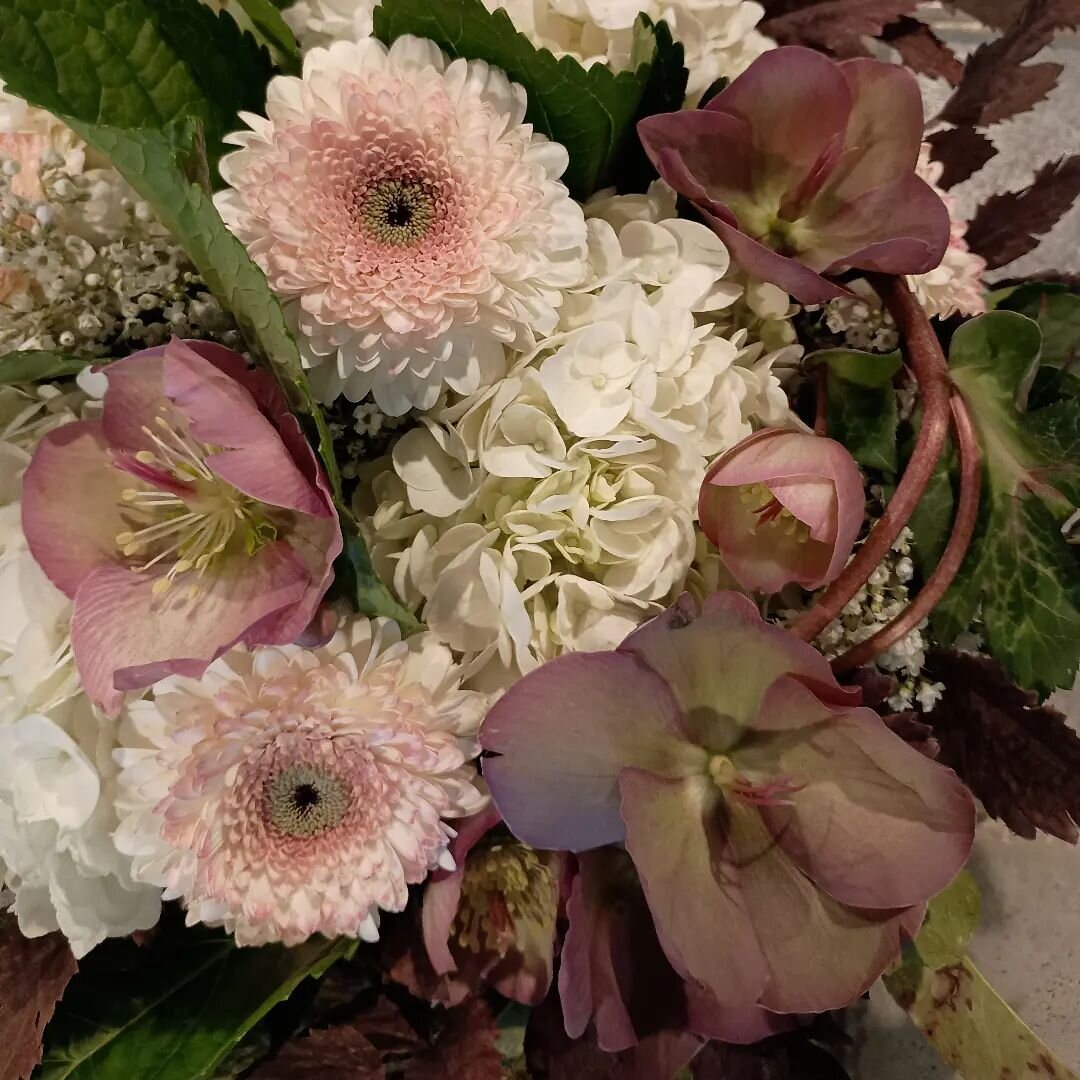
{"points": [[675, 834], [125, 637], [70, 504], [133, 400], [565, 731]]}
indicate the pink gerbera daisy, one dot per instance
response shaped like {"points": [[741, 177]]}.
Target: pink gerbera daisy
{"points": [[292, 792], [411, 220]]}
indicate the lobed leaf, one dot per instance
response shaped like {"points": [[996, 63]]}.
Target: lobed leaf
{"points": [[836, 26], [922, 50], [962, 151]]}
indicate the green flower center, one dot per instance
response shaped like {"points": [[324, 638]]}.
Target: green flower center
{"points": [[304, 801]]}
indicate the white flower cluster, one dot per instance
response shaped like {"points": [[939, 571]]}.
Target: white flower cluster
{"points": [[84, 265], [555, 509], [58, 863], [878, 602], [720, 36]]}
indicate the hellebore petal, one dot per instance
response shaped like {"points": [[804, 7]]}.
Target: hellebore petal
{"points": [[565, 732], [115, 652], [874, 823]]}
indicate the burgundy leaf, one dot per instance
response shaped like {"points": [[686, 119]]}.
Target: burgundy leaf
{"points": [[331, 1052], [836, 26], [912, 728], [962, 151], [922, 50], [998, 14], [464, 1049], [33, 975], [1010, 225], [995, 85], [1020, 758]]}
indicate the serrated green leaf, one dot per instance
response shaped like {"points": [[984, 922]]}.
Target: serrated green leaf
{"points": [[864, 419], [1019, 565], [951, 920], [133, 63], [969, 1024], [173, 1010], [1057, 311], [275, 32], [35, 365], [592, 112], [861, 368], [931, 523]]}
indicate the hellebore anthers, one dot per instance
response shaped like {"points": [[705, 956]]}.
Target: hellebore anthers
{"points": [[491, 920], [783, 506], [191, 516], [784, 838], [806, 167]]}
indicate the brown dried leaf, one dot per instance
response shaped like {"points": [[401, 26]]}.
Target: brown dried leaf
{"points": [[997, 14], [962, 151], [33, 975], [995, 85], [337, 1053], [836, 26], [922, 50], [1010, 225], [1020, 758], [465, 1048]]}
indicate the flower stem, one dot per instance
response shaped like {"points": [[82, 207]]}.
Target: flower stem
{"points": [[931, 372], [967, 510]]}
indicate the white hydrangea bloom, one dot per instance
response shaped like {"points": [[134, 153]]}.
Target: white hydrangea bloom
{"points": [[720, 36], [58, 862], [555, 510]]}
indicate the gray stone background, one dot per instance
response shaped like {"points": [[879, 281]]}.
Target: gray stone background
{"points": [[1028, 944]]}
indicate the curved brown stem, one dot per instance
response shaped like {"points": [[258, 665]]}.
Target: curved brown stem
{"points": [[932, 374], [967, 510]]}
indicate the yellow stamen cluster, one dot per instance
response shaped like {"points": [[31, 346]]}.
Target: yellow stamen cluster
{"points": [[771, 514], [504, 883], [186, 531]]}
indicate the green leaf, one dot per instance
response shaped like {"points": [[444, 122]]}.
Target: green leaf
{"points": [[275, 31], [592, 112], [862, 368], [864, 419], [172, 1010], [1057, 312], [35, 365], [355, 579], [951, 920], [931, 523], [968, 1023], [133, 63], [1019, 565]]}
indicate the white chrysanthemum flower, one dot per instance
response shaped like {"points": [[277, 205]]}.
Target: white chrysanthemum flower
{"points": [[412, 222], [292, 792], [58, 862], [719, 36]]}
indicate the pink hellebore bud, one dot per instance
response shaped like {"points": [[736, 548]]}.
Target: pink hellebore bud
{"points": [[806, 167], [192, 516], [785, 840], [491, 921], [783, 506]]}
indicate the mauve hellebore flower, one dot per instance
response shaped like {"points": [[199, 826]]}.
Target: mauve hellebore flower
{"points": [[784, 838], [806, 167], [783, 506], [192, 516]]}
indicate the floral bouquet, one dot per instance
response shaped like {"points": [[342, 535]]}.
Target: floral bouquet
{"points": [[527, 543]]}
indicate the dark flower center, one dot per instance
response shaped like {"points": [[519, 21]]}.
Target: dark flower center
{"points": [[397, 212], [304, 801]]}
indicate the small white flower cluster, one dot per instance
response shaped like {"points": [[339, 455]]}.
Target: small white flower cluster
{"points": [[58, 863], [878, 602], [720, 36], [555, 509], [861, 320], [84, 265]]}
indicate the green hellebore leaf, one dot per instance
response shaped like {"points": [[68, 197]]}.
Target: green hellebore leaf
{"points": [[591, 111], [864, 419], [274, 30], [1057, 311], [173, 1009], [133, 63], [355, 579], [951, 920], [867, 369], [1019, 565], [36, 365]]}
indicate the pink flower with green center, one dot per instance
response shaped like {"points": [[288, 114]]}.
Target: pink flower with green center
{"points": [[784, 838], [806, 167], [190, 517], [781, 507]]}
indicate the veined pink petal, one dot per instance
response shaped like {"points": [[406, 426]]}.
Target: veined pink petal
{"points": [[566, 731], [124, 636], [133, 400], [676, 836], [70, 503], [873, 822]]}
